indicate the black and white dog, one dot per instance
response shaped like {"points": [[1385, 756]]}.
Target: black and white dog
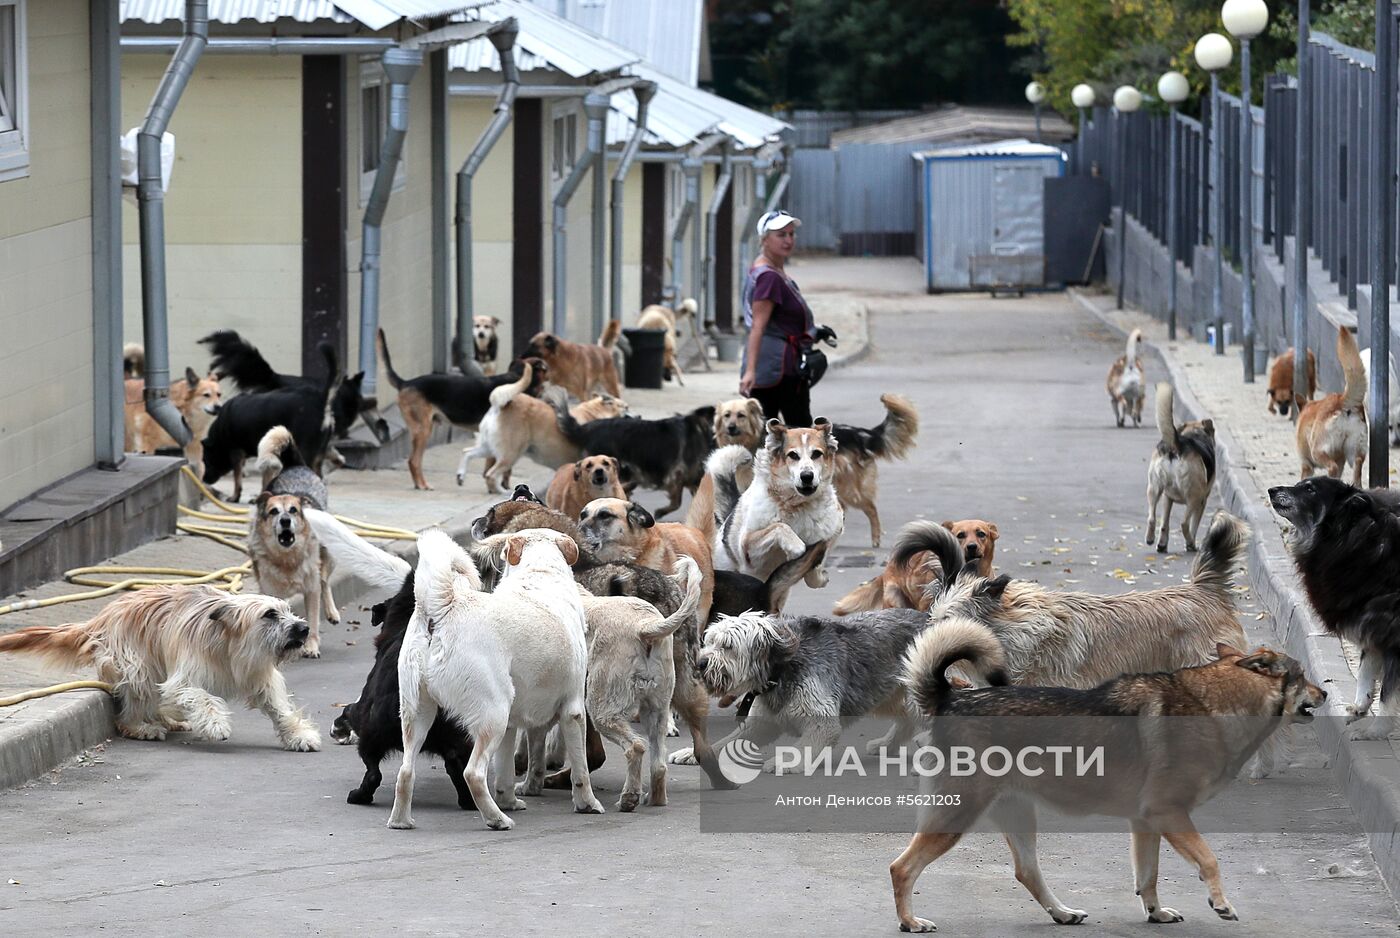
{"points": [[1346, 544]]}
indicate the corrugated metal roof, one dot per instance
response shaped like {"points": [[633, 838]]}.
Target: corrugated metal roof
{"points": [[545, 41], [999, 148], [680, 114], [958, 124], [666, 33], [376, 14]]}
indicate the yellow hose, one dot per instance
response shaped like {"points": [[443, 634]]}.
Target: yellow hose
{"points": [[364, 528], [55, 689]]}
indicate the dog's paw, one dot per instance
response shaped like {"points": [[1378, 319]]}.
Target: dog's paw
{"points": [[591, 806], [401, 824], [532, 787], [1161, 547], [503, 824], [919, 926], [1377, 730], [359, 796], [1226, 911], [176, 726], [154, 732], [461, 477], [510, 802], [215, 728], [1355, 713], [682, 757], [1067, 916], [1165, 916], [628, 802], [304, 740], [312, 649], [1190, 547], [333, 617]]}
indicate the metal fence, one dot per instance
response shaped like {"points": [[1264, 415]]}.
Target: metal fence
{"points": [[860, 198], [1342, 231]]}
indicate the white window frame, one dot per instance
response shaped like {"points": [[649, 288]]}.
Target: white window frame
{"points": [[14, 139], [372, 75], [563, 141]]}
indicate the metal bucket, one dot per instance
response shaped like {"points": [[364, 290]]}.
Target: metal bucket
{"points": [[728, 346]]}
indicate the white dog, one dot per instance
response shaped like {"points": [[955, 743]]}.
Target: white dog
{"points": [[790, 506], [1394, 397], [501, 662], [171, 653]]}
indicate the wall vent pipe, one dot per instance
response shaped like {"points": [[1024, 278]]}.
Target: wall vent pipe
{"points": [[726, 174], [644, 92], [400, 65], [595, 107], [503, 39], [150, 200]]}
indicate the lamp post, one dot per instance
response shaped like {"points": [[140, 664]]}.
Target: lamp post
{"points": [[1126, 100], [1302, 210], [1246, 19], [1172, 88], [1213, 52], [1035, 93], [1082, 97]]}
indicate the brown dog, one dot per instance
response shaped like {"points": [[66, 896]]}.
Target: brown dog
{"points": [[912, 566], [197, 399], [619, 530], [1332, 430], [577, 484], [1281, 383], [579, 368]]}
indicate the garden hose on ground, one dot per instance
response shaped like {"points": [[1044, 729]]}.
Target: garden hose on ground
{"points": [[55, 689]]}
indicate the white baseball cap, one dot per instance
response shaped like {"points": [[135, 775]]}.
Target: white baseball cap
{"points": [[773, 221]]}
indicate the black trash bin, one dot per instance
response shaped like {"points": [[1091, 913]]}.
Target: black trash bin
{"points": [[647, 363]]}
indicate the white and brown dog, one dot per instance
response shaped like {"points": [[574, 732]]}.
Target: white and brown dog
{"points": [[172, 652], [288, 560], [485, 342], [616, 530], [791, 505]]}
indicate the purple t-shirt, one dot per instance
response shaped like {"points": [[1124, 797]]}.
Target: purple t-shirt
{"points": [[789, 326]]}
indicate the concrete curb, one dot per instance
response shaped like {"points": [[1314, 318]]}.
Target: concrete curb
{"points": [[1366, 771], [69, 723]]}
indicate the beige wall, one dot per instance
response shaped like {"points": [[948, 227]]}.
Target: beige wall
{"points": [[493, 215], [233, 210], [46, 384], [632, 245]]}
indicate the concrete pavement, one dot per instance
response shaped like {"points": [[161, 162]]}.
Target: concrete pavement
{"points": [[241, 838]]}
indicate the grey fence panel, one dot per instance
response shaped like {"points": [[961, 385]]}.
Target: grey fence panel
{"points": [[876, 200], [811, 196]]}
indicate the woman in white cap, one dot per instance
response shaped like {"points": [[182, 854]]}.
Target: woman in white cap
{"points": [[780, 325]]}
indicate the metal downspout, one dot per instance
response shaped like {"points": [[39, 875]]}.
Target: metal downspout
{"points": [[644, 92], [761, 167], [150, 195], [726, 174], [690, 210], [504, 41], [400, 65], [595, 106]]}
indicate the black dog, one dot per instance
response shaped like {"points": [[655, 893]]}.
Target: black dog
{"points": [[244, 419], [240, 361], [667, 454], [374, 718], [1346, 544]]}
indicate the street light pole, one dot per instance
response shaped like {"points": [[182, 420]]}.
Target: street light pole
{"points": [[1035, 93], [1246, 19], [1082, 96], [1213, 52], [1383, 166], [1302, 213], [1172, 88], [1126, 100]]}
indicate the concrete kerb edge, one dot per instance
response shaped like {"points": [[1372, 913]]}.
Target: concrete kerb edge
{"points": [[1363, 769], [87, 719]]}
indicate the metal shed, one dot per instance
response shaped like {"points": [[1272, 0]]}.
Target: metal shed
{"points": [[982, 215]]}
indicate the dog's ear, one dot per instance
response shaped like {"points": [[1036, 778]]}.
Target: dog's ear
{"points": [[221, 613], [782, 647], [777, 435], [992, 531], [828, 430], [639, 517], [1267, 662], [263, 499], [190, 377], [624, 472], [377, 612], [578, 470], [755, 411], [946, 524], [495, 321], [568, 547], [515, 547], [551, 342], [356, 379], [995, 587], [1208, 425], [1223, 650]]}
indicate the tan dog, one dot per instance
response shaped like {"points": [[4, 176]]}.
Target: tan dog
{"points": [[1125, 385], [618, 530], [579, 368], [1281, 383], [518, 425], [657, 316], [913, 565], [737, 423], [1181, 471], [288, 560], [1332, 429], [197, 399], [577, 484]]}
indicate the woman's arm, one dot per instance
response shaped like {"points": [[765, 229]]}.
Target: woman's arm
{"points": [[762, 311]]}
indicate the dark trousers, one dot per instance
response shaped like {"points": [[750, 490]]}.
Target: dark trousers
{"points": [[791, 396]]}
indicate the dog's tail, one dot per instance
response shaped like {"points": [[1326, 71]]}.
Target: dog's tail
{"points": [[504, 394], [688, 306], [383, 571], [687, 577], [867, 597], [918, 536], [240, 361], [134, 360], [394, 378], [723, 465], [1166, 426], [891, 439], [332, 362], [789, 572], [445, 572], [64, 646], [1221, 552], [1130, 355], [277, 450], [938, 647], [611, 333], [1354, 394]]}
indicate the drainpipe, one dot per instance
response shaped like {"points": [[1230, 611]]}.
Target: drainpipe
{"points": [[150, 195], [762, 164], [690, 166], [400, 65], [644, 92], [595, 106], [726, 174], [504, 41]]}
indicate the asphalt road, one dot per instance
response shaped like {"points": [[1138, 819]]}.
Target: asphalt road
{"points": [[241, 838]]}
